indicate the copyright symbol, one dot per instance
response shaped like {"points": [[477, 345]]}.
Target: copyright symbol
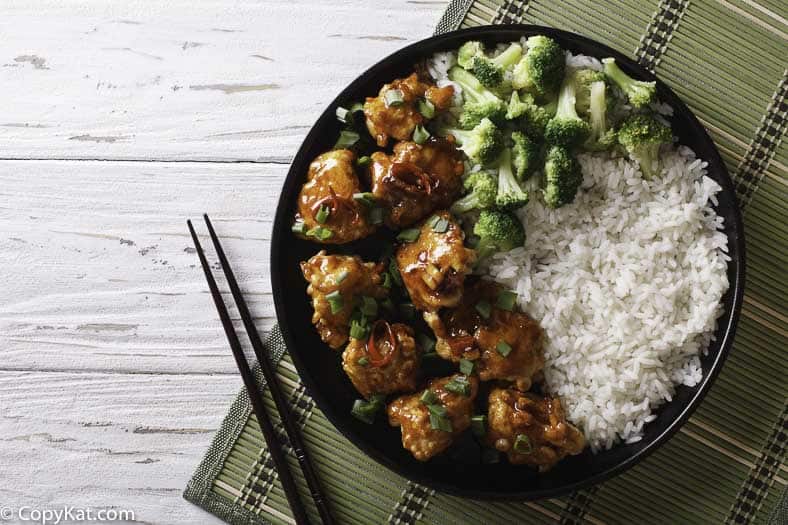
{"points": [[6, 513]]}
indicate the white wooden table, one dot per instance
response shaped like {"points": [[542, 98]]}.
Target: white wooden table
{"points": [[119, 121]]}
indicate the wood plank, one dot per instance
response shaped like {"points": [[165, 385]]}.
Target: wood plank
{"points": [[168, 80], [98, 440], [99, 272]]}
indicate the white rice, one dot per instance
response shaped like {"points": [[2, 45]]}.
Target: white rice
{"points": [[626, 282]]}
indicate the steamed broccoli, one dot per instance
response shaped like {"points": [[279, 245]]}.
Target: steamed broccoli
{"points": [[490, 71], [566, 128], [482, 189], [528, 116], [525, 155], [479, 101], [642, 135], [473, 113], [584, 79], [639, 93], [510, 195], [562, 177], [468, 51], [482, 144], [601, 138], [498, 232], [542, 67]]}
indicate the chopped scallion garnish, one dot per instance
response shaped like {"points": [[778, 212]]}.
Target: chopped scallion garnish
{"points": [[369, 306], [428, 397], [320, 233], [506, 300], [439, 418], [438, 410], [386, 281], [298, 227], [363, 161], [394, 272], [426, 108], [432, 221], [394, 98], [459, 385], [363, 361], [347, 138], [522, 445], [322, 214], [467, 366], [356, 107], [441, 225], [479, 425], [484, 309], [366, 198], [503, 348], [366, 410], [335, 301], [420, 134], [409, 235], [359, 329], [344, 115]]}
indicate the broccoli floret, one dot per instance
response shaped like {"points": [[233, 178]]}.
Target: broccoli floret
{"points": [[490, 71], [583, 79], [473, 113], [510, 195], [482, 144], [480, 102], [639, 92], [542, 67], [482, 189], [519, 106], [498, 232], [601, 138], [468, 51], [566, 128], [525, 155], [642, 135], [528, 115], [562, 177]]}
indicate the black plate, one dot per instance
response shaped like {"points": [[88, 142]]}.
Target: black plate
{"points": [[459, 470]]}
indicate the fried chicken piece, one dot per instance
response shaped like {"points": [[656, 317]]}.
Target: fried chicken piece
{"points": [[331, 183], [375, 366], [417, 179], [348, 276], [400, 119], [418, 433], [506, 345], [434, 266], [531, 430]]}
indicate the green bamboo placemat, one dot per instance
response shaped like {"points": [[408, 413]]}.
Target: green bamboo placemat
{"points": [[727, 60]]}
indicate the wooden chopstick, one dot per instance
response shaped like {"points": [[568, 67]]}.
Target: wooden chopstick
{"points": [[267, 427]]}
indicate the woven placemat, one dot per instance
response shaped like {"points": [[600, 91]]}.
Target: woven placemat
{"points": [[727, 60]]}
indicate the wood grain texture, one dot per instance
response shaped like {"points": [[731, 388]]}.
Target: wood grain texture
{"points": [[114, 371], [174, 80]]}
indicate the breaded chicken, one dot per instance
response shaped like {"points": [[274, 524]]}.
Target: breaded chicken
{"points": [[326, 205], [376, 366], [434, 266], [336, 285], [430, 428], [530, 429]]}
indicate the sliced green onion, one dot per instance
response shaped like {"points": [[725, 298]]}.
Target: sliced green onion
{"points": [[335, 301], [298, 226], [359, 330], [503, 348], [394, 98], [479, 425], [394, 271], [522, 445], [409, 235], [426, 342], [365, 410], [426, 108], [467, 366], [428, 397], [363, 161], [441, 226], [459, 385], [347, 138], [506, 300], [320, 233], [369, 306], [432, 221], [366, 198], [407, 311], [363, 361], [322, 214], [344, 115], [490, 456], [438, 420], [356, 107], [420, 134], [438, 410], [387, 281], [484, 309], [375, 215], [341, 276]]}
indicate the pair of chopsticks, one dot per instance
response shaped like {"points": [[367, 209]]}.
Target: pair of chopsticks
{"points": [[291, 429]]}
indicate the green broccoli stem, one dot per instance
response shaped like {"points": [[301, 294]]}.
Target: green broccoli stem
{"points": [[639, 93], [471, 87], [509, 57], [466, 203], [648, 155], [597, 111], [510, 195], [565, 108]]}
